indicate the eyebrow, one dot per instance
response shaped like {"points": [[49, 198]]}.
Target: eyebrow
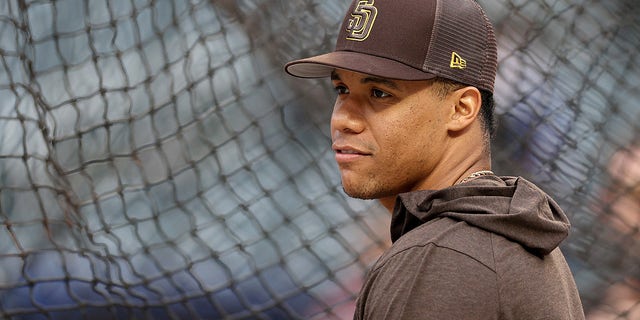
{"points": [[370, 79]]}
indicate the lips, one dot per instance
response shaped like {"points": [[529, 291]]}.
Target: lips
{"points": [[348, 153], [348, 149]]}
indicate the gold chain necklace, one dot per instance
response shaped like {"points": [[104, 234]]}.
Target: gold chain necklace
{"points": [[475, 175]]}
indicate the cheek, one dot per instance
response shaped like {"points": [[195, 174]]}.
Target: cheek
{"points": [[415, 130], [420, 126], [419, 139]]}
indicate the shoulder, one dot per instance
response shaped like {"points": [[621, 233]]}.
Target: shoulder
{"points": [[532, 284], [430, 274], [449, 265]]}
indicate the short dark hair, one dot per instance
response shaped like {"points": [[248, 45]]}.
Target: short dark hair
{"points": [[487, 113], [487, 118]]}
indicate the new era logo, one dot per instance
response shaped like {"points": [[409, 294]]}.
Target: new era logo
{"points": [[362, 19], [457, 62]]}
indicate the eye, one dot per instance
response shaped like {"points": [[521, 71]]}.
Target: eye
{"points": [[340, 89], [377, 93]]}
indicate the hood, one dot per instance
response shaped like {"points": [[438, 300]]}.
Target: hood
{"points": [[509, 206]]}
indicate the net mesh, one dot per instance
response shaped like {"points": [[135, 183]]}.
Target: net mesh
{"points": [[156, 162]]}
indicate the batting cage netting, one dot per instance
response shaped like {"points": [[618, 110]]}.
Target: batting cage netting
{"points": [[157, 163]]}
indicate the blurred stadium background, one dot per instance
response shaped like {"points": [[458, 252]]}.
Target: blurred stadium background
{"points": [[156, 162]]}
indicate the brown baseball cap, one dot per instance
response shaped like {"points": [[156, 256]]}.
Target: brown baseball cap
{"points": [[411, 40]]}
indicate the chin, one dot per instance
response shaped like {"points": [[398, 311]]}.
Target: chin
{"points": [[361, 193], [355, 195]]}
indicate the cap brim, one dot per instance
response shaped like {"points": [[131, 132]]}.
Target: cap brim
{"points": [[323, 65]]}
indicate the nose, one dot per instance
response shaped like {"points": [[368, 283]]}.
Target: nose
{"points": [[347, 116]]}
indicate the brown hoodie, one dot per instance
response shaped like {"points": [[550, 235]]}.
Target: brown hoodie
{"points": [[486, 249]]}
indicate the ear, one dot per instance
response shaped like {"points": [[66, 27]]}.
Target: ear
{"points": [[466, 104]]}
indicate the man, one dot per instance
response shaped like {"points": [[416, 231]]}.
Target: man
{"points": [[411, 126]]}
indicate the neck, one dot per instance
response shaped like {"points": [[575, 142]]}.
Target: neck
{"points": [[388, 202], [459, 162], [455, 167]]}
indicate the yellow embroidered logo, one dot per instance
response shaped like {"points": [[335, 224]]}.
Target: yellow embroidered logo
{"points": [[362, 19], [457, 61]]}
